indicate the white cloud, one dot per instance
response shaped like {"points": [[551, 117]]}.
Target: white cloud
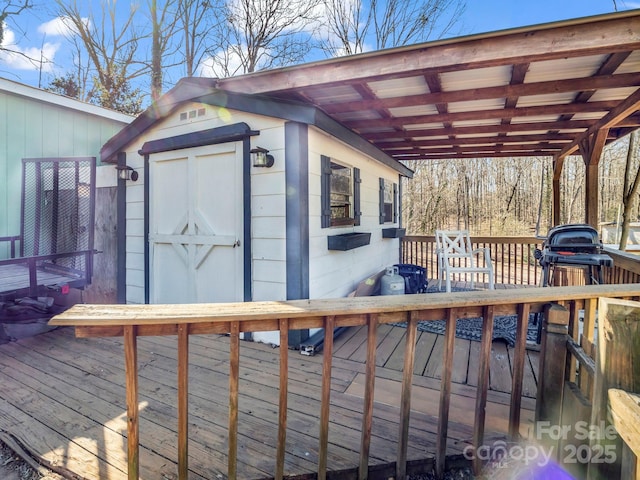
{"points": [[61, 26], [30, 58], [55, 28], [213, 66]]}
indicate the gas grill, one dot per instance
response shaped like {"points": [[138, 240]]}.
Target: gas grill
{"points": [[574, 245]]}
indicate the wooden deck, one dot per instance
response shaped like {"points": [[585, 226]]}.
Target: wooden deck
{"points": [[64, 400], [16, 277]]}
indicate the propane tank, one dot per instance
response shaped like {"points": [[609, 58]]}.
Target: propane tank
{"points": [[392, 283]]}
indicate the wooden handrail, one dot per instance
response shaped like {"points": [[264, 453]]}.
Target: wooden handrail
{"points": [[232, 318], [513, 257]]}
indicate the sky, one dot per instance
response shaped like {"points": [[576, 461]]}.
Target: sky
{"points": [[39, 29]]}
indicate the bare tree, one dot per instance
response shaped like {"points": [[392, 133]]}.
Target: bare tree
{"points": [[164, 22], [200, 21], [111, 43], [386, 23], [630, 189], [10, 9], [261, 34]]}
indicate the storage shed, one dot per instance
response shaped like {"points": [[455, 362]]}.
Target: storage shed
{"points": [[37, 125], [243, 197]]}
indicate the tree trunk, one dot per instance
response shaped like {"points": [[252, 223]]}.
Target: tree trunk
{"points": [[629, 192]]}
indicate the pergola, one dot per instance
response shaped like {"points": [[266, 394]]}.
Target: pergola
{"points": [[554, 90]]}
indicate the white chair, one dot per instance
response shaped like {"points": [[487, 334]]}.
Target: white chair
{"points": [[455, 256]]}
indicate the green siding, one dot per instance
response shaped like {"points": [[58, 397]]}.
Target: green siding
{"points": [[31, 128]]}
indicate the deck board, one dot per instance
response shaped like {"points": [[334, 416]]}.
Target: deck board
{"points": [[65, 401], [16, 277]]}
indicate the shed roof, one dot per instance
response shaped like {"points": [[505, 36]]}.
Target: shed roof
{"points": [[531, 91], [44, 96]]}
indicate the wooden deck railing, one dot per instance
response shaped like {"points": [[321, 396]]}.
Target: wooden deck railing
{"points": [[626, 267], [513, 257], [132, 321]]}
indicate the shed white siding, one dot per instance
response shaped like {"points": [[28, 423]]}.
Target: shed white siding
{"points": [[336, 273], [331, 273], [268, 199]]}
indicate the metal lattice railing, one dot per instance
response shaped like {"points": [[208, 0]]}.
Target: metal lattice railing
{"points": [[57, 209]]}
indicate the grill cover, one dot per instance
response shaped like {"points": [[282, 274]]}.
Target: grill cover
{"points": [[574, 244]]}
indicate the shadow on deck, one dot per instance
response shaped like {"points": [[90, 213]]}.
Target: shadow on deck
{"points": [[64, 400]]}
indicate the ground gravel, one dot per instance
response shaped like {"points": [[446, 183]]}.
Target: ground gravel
{"points": [[17, 467]]}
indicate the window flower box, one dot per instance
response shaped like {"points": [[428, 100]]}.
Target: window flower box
{"points": [[393, 232], [348, 241]]}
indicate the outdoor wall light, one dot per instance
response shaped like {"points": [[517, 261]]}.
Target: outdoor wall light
{"points": [[125, 172], [261, 157]]}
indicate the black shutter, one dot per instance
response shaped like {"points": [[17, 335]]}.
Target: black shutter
{"points": [[381, 200], [395, 203], [356, 196], [325, 191]]}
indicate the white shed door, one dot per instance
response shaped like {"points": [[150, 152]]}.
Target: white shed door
{"points": [[195, 227]]}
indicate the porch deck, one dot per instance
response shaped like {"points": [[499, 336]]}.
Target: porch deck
{"points": [[64, 400]]}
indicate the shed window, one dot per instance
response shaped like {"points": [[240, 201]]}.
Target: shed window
{"points": [[388, 203], [340, 194]]}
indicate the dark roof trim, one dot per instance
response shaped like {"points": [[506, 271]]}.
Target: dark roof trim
{"points": [[205, 91], [297, 112], [224, 134]]}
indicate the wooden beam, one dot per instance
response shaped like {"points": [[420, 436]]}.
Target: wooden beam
{"points": [[624, 109], [497, 113], [613, 33], [549, 149], [513, 90], [480, 129], [558, 139], [591, 149]]}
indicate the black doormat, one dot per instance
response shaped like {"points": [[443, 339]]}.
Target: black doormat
{"points": [[504, 326]]}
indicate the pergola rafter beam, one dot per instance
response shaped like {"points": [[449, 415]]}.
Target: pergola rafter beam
{"points": [[511, 91]]}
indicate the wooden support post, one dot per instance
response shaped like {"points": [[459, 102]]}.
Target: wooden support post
{"points": [[234, 377], [483, 384], [617, 366], [558, 163], [592, 195], [518, 371], [445, 393], [367, 409], [405, 399], [553, 354], [327, 358], [284, 389], [183, 402], [624, 410], [133, 424], [591, 149]]}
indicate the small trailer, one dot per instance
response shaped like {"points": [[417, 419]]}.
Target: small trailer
{"points": [[53, 253]]}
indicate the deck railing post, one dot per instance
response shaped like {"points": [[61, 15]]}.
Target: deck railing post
{"points": [[553, 352], [133, 429]]}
